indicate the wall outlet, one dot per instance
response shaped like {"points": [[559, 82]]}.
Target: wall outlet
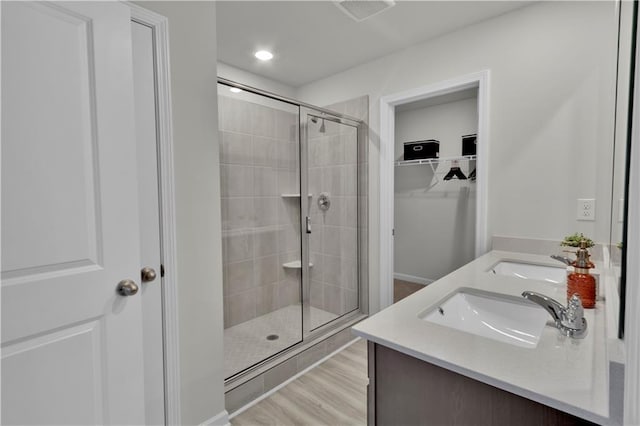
{"points": [[586, 209]]}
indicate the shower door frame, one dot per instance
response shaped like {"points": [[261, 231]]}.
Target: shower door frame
{"points": [[311, 337], [307, 111]]}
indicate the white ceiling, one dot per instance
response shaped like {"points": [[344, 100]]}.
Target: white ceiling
{"points": [[314, 39]]}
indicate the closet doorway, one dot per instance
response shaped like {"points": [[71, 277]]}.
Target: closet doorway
{"points": [[433, 183]]}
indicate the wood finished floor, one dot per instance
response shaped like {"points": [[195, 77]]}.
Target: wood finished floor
{"points": [[333, 393], [402, 289]]}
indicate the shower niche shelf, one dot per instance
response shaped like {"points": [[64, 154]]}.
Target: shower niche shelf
{"points": [[295, 264], [294, 195]]}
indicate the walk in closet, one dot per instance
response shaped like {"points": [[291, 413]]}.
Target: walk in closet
{"points": [[435, 186]]}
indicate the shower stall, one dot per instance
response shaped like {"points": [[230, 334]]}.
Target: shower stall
{"points": [[293, 187]]}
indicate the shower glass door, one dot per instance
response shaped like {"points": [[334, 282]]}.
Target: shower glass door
{"points": [[260, 197], [329, 217], [293, 215]]}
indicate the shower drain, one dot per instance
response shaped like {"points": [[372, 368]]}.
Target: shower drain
{"points": [[273, 337]]}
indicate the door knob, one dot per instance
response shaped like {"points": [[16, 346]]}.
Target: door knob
{"points": [[127, 288], [147, 274]]}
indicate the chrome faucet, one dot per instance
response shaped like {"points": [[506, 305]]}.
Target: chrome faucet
{"points": [[570, 320], [562, 259]]}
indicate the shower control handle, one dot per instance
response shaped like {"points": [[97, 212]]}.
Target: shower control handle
{"points": [[308, 222], [323, 201]]}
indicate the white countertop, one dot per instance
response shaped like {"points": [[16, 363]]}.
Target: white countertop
{"points": [[563, 373]]}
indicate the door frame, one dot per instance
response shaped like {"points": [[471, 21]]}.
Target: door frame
{"points": [[632, 248], [387, 157], [160, 28]]}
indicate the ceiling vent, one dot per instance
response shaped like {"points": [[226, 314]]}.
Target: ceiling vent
{"points": [[359, 10]]}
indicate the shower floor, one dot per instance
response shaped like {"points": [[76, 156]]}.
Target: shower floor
{"points": [[246, 344]]}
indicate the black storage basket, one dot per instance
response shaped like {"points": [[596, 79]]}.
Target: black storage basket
{"points": [[420, 150]]}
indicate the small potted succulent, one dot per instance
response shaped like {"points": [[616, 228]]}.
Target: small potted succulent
{"points": [[573, 240]]}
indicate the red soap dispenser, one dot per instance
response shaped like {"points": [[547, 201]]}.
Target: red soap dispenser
{"points": [[581, 282]]}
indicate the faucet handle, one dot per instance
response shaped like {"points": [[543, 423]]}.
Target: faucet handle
{"points": [[575, 302], [574, 312], [573, 321]]}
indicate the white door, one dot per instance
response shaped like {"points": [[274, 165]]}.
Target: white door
{"points": [[71, 345]]}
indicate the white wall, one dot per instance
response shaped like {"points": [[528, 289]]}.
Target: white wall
{"points": [[551, 92], [192, 34], [257, 81], [434, 225], [446, 122]]}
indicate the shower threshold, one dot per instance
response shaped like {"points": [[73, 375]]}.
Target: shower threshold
{"points": [[253, 341]]}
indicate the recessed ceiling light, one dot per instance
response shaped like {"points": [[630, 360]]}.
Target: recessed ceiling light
{"points": [[235, 90], [264, 55]]}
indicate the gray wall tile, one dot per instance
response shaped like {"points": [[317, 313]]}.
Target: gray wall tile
{"points": [[265, 241], [239, 276], [264, 182], [280, 373], [237, 213], [242, 395], [265, 151], [289, 291], [333, 299], [316, 296], [266, 210], [266, 270], [339, 339], [237, 180], [241, 307], [266, 299], [312, 355], [286, 126], [235, 148], [263, 120], [237, 246], [234, 115]]}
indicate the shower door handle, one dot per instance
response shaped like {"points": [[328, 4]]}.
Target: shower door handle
{"points": [[308, 221]]}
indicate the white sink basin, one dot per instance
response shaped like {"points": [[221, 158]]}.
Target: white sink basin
{"points": [[530, 271], [508, 319]]}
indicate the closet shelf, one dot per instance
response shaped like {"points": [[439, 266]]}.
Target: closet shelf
{"points": [[296, 264], [433, 160]]}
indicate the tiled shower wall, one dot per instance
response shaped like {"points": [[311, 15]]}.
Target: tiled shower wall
{"points": [[260, 228], [242, 392], [359, 108]]}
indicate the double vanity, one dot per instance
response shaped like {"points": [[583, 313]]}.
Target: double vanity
{"points": [[470, 349]]}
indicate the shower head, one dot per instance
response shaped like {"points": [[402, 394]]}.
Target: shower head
{"points": [[315, 120]]}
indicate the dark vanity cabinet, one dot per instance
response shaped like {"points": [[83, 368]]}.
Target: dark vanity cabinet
{"points": [[404, 390]]}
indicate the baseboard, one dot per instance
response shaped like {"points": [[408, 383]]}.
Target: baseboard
{"points": [[221, 419], [412, 278]]}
